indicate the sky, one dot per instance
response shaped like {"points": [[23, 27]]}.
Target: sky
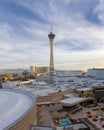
{"points": [[77, 24]]}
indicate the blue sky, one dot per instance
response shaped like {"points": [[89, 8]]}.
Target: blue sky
{"points": [[78, 25]]}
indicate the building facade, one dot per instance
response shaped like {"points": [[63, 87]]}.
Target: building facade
{"points": [[39, 69], [68, 73], [98, 92]]}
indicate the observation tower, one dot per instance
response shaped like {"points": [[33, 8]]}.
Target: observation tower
{"points": [[51, 38]]}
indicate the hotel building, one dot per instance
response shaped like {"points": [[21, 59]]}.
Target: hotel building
{"points": [[39, 69]]}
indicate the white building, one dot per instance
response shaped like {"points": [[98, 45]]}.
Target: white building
{"points": [[69, 73], [15, 84], [96, 73]]}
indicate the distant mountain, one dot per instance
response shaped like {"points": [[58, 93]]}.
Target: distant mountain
{"points": [[13, 70]]}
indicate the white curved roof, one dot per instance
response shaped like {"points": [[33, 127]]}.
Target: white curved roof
{"points": [[14, 104]]}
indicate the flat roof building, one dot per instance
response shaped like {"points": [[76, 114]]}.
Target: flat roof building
{"points": [[96, 73], [98, 92], [68, 73]]}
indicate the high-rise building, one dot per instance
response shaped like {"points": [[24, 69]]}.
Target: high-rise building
{"points": [[43, 69], [39, 69], [33, 69], [51, 38]]}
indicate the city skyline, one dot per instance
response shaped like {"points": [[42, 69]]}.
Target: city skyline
{"points": [[78, 25]]}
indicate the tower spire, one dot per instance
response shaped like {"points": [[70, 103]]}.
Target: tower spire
{"points": [[51, 28]]}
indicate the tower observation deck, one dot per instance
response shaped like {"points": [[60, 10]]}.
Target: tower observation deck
{"points": [[51, 38]]}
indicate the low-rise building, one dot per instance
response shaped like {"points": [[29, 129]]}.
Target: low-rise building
{"points": [[96, 73]]}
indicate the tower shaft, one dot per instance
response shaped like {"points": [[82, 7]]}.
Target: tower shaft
{"points": [[51, 55]]}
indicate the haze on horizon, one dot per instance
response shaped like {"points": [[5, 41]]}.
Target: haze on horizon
{"points": [[77, 24]]}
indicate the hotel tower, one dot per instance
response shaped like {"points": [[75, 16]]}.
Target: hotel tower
{"points": [[51, 38]]}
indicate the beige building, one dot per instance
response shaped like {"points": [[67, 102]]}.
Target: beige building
{"points": [[33, 69], [39, 69]]}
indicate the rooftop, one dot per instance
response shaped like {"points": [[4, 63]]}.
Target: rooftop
{"points": [[13, 106], [72, 101]]}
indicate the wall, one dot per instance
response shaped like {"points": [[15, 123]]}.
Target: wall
{"points": [[25, 122], [53, 97]]}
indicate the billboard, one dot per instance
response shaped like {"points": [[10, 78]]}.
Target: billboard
{"points": [[52, 69]]}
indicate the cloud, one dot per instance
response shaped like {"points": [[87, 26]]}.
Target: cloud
{"points": [[24, 28], [100, 11]]}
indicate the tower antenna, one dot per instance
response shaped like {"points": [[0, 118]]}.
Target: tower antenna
{"points": [[51, 28]]}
